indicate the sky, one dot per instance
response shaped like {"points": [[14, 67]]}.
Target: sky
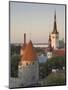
{"points": [[36, 20]]}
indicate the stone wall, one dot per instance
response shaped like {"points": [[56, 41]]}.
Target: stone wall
{"points": [[29, 73]]}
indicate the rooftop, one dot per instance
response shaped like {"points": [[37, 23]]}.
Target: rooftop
{"points": [[29, 52]]}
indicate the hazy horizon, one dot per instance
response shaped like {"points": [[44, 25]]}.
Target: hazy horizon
{"points": [[37, 19]]}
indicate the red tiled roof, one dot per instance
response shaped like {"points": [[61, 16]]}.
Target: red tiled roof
{"points": [[59, 52], [29, 52]]}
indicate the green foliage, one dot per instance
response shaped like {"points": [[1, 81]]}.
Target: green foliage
{"points": [[44, 70], [14, 65], [15, 49], [57, 62], [53, 63], [54, 79]]}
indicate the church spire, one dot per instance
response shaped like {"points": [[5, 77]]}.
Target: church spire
{"points": [[55, 24]]}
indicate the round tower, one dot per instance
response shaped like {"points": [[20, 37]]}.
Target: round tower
{"points": [[29, 69]]}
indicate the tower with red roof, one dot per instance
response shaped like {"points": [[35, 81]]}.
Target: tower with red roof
{"points": [[28, 68]]}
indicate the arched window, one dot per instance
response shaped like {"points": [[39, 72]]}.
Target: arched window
{"points": [[26, 63]]}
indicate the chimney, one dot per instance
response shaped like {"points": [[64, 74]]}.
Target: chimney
{"points": [[24, 38]]}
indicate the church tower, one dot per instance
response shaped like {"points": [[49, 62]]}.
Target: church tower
{"points": [[49, 50], [55, 35], [28, 68]]}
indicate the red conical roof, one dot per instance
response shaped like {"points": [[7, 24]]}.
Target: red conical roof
{"points": [[29, 52]]}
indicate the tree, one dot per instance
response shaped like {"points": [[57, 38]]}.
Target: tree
{"points": [[57, 62], [54, 79], [14, 65], [44, 70], [14, 49]]}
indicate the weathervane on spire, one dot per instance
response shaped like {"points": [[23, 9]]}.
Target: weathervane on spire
{"points": [[55, 24]]}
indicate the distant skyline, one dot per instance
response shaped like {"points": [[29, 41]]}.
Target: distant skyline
{"points": [[36, 20]]}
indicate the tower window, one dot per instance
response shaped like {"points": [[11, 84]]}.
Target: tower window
{"points": [[26, 63]]}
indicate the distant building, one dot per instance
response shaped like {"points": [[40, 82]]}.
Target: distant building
{"points": [[28, 68], [55, 35]]}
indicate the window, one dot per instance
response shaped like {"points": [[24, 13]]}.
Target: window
{"points": [[33, 62], [26, 63]]}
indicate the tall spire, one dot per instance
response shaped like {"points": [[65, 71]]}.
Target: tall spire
{"points": [[55, 16], [55, 25]]}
